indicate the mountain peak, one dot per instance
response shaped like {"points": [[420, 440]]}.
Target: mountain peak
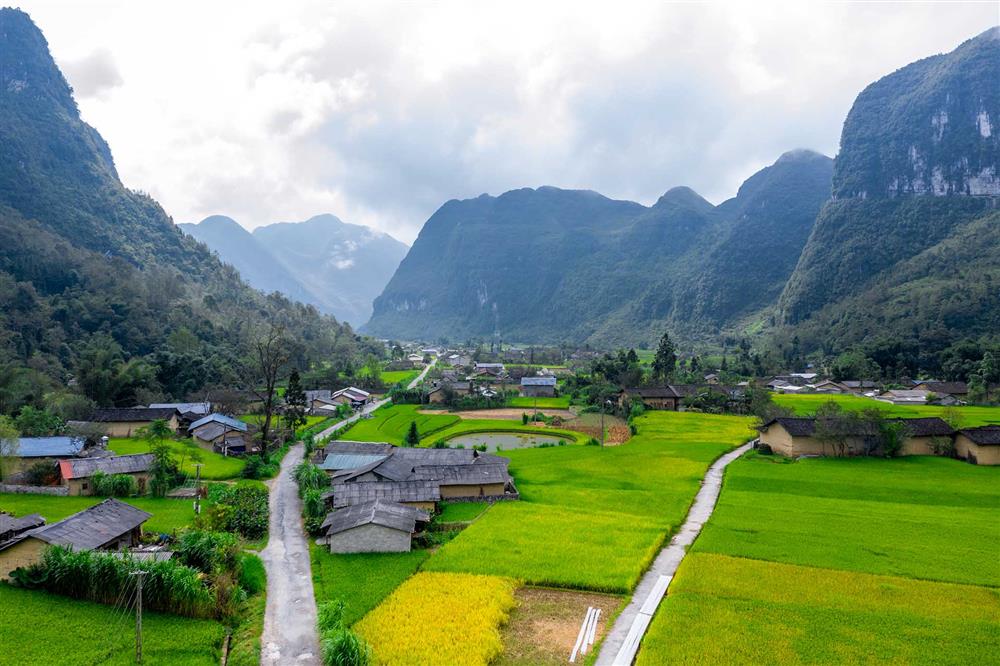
{"points": [[683, 196], [801, 155], [27, 71]]}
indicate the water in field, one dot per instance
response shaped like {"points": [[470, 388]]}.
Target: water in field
{"points": [[504, 440]]}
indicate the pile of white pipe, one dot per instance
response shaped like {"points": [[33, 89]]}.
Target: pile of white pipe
{"points": [[588, 632]]}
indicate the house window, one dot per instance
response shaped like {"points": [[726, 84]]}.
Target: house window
{"points": [[84, 486]]}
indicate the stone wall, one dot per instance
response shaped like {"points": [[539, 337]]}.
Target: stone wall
{"points": [[33, 490]]}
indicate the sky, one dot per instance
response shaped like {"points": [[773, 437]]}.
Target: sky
{"points": [[379, 112]]}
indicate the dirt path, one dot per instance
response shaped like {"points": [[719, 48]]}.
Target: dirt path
{"points": [[622, 642], [506, 413], [290, 619]]}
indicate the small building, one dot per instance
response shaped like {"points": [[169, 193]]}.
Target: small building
{"points": [[111, 525], [655, 397], [916, 397], [980, 446], [10, 526], [829, 386], [439, 393], [472, 482], [373, 527], [957, 390], [712, 378], [128, 422], [538, 387], [489, 369], [189, 411], [352, 396], [859, 386], [420, 494], [796, 436], [32, 450], [76, 474], [220, 433]]}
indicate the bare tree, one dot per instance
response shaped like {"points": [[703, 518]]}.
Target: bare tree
{"points": [[267, 356]]}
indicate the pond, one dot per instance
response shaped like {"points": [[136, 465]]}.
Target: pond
{"points": [[496, 441]]}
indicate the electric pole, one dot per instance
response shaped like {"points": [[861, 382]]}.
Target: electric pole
{"points": [[197, 489], [138, 615]]}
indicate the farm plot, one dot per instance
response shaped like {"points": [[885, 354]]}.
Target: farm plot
{"points": [[472, 426], [214, 466], [168, 514], [723, 609], [840, 560], [540, 403], [39, 628], [391, 423], [436, 618], [592, 518], [361, 580], [806, 405]]}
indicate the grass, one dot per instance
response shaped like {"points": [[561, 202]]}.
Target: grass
{"points": [[806, 405], [440, 619], [460, 512], [244, 649], [541, 403], [391, 423], [918, 516], [470, 426], [404, 377], [361, 580], [733, 610], [168, 514], [214, 466], [39, 628], [593, 518]]}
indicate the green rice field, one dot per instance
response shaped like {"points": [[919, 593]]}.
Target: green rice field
{"points": [[391, 423], [168, 514], [469, 426], [540, 403], [68, 631], [806, 405], [834, 560], [214, 466], [593, 518]]}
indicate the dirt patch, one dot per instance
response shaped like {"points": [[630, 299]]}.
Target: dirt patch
{"points": [[505, 413], [544, 626]]}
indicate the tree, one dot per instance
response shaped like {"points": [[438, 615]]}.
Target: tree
{"points": [[8, 444], [156, 432], [834, 426], [33, 422], [295, 402], [373, 368], [665, 360], [412, 436], [163, 472], [266, 356]]}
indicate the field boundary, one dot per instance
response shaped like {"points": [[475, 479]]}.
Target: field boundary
{"points": [[622, 641]]}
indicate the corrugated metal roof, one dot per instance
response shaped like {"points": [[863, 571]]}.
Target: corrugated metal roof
{"points": [[229, 421], [447, 475], [92, 527], [346, 494], [339, 461], [84, 467], [49, 447], [538, 381], [185, 407], [379, 512]]}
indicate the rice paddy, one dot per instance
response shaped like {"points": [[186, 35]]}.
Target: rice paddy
{"points": [[391, 423], [168, 514], [214, 466], [806, 405]]}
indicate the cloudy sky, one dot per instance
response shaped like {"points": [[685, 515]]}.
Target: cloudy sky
{"points": [[380, 112]]}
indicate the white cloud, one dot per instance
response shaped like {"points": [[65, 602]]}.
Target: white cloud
{"points": [[379, 112]]}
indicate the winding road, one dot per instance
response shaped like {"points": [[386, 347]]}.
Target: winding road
{"points": [[290, 635]]}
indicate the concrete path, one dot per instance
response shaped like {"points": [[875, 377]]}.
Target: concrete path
{"points": [[290, 635], [622, 642]]}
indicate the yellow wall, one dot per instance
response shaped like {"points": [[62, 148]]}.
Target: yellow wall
{"points": [[476, 490], [985, 455], [783, 443], [85, 487], [130, 428], [24, 554]]}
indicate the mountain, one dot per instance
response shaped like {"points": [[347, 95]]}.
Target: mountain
{"points": [[560, 265], [338, 267], [95, 278], [237, 247], [907, 248]]}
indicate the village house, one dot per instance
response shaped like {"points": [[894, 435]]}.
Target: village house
{"points": [[352, 396], [860, 386], [76, 475], [957, 390], [420, 494], [221, 434], [457, 360], [189, 411], [661, 397], [796, 436], [127, 422], [10, 526], [32, 450], [111, 525], [829, 386], [347, 455], [915, 397], [489, 370], [378, 526], [439, 393], [538, 387], [980, 446]]}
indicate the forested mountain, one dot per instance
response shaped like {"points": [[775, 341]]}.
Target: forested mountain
{"points": [[908, 248], [551, 264], [95, 279]]}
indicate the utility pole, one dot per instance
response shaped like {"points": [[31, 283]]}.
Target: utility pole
{"points": [[602, 424], [197, 489], [138, 616]]}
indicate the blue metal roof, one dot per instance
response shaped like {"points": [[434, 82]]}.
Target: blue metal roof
{"points": [[339, 461], [538, 381], [44, 447], [220, 418]]}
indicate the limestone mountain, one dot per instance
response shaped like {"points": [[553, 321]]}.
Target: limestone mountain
{"points": [[907, 248], [552, 264], [89, 268], [338, 267]]}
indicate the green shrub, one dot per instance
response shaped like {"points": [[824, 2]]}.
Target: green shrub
{"points": [[114, 485], [345, 648], [252, 576], [258, 468], [241, 508], [206, 551], [309, 477]]}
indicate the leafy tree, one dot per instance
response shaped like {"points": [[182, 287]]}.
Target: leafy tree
{"points": [[267, 355], [295, 402], [853, 365], [412, 436], [835, 427], [37, 422], [164, 472], [8, 444], [666, 358]]}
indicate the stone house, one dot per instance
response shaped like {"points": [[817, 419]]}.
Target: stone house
{"points": [[10, 526], [128, 422], [111, 525], [373, 527], [221, 434], [796, 436], [538, 387], [656, 397], [76, 474], [32, 450]]}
